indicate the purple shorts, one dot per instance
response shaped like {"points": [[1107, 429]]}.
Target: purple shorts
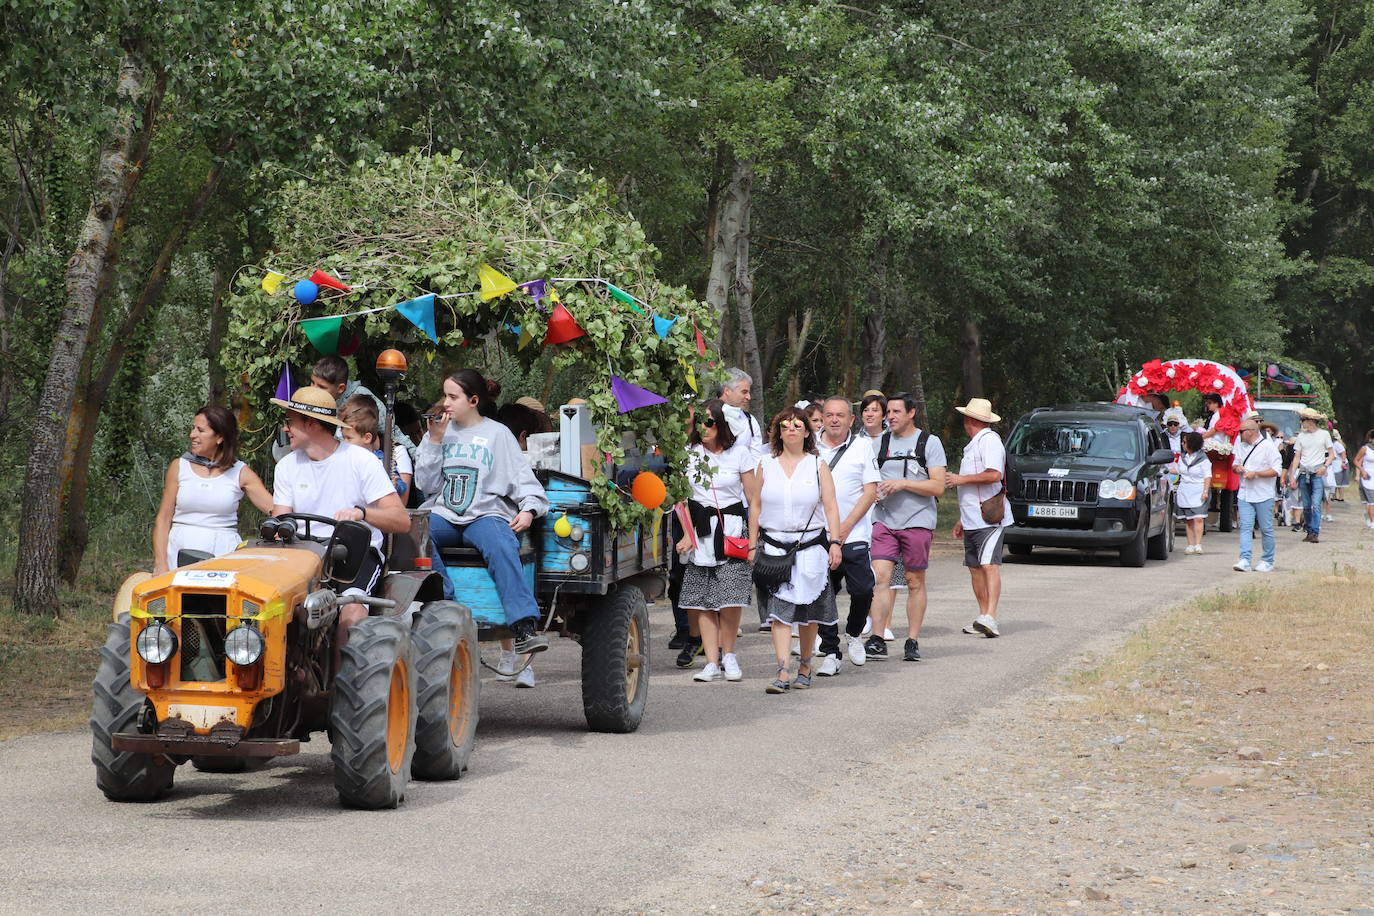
{"points": [[908, 546]]}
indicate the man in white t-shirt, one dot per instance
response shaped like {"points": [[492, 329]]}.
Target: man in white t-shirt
{"points": [[325, 476], [981, 475], [1312, 455], [850, 457], [1258, 464], [738, 394]]}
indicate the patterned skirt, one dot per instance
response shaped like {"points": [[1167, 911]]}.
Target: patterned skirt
{"points": [[822, 610], [710, 588]]}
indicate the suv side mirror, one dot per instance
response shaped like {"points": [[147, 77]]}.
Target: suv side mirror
{"points": [[346, 550], [1160, 456]]}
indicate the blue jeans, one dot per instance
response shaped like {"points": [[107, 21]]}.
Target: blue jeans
{"points": [[499, 547], [1249, 512], [1312, 488]]}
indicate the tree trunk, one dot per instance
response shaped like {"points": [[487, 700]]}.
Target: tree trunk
{"points": [[796, 346], [76, 528], [848, 370], [117, 173], [214, 340], [971, 357], [723, 252], [742, 188], [917, 387], [6, 364], [875, 322]]}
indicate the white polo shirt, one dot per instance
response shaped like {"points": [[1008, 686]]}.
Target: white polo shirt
{"points": [[1262, 456], [855, 468], [984, 452]]}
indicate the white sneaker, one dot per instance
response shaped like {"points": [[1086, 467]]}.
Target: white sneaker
{"points": [[887, 636], [710, 673], [1327, 518], [1369, 525], [868, 627], [1242, 566], [1262, 566], [987, 625], [972, 629], [526, 677], [828, 667], [731, 664], [506, 665], [857, 656]]}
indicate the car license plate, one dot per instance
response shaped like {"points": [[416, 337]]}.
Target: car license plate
{"points": [[1054, 511]]}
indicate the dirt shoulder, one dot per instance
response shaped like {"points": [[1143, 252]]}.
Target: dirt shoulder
{"points": [[1219, 761]]}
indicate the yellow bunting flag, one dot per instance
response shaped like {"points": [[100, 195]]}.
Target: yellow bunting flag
{"points": [[272, 282], [691, 376], [494, 283], [553, 293]]}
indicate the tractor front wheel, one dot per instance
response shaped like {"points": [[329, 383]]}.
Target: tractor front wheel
{"points": [[615, 662], [444, 647], [372, 717], [118, 707]]}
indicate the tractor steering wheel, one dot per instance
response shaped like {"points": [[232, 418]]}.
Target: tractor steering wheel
{"points": [[304, 517]]}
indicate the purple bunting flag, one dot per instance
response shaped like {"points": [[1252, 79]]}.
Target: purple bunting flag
{"points": [[629, 397], [284, 384]]}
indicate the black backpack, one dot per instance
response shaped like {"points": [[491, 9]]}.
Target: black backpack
{"points": [[919, 457]]}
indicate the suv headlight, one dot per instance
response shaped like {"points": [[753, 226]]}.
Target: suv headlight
{"points": [[244, 645], [156, 643], [1116, 489]]}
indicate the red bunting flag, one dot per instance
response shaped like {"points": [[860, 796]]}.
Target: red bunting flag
{"points": [[701, 341], [323, 279], [562, 326]]}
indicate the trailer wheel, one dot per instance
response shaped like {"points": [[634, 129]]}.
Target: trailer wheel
{"points": [[444, 647], [372, 718], [615, 662], [118, 707]]}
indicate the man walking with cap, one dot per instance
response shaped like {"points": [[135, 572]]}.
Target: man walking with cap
{"points": [[1312, 455], [322, 475], [983, 511]]}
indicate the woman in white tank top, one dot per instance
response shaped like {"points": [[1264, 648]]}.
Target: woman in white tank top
{"points": [[1364, 476], [202, 490]]}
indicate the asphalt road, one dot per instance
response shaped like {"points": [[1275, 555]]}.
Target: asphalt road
{"points": [[552, 818]]}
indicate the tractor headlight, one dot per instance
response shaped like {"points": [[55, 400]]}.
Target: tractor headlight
{"points": [[156, 643], [244, 645], [1116, 489]]}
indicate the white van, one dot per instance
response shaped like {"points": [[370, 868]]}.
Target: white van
{"points": [[1283, 414]]}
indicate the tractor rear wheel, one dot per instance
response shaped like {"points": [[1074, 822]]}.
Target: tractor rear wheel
{"points": [[118, 707], [444, 647], [372, 717], [615, 662]]}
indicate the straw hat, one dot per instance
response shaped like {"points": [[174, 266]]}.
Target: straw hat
{"points": [[1308, 413], [873, 391], [532, 403], [313, 402], [979, 409]]}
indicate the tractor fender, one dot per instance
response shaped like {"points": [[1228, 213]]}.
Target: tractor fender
{"points": [[124, 598], [407, 588]]}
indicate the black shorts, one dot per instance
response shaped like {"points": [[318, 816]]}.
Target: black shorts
{"points": [[856, 569], [369, 574]]}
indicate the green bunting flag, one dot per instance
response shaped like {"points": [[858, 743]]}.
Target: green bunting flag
{"points": [[622, 296], [323, 333]]}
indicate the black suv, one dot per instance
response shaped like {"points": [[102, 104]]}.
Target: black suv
{"points": [[1090, 476]]}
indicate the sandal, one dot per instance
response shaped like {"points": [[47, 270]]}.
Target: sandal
{"points": [[802, 681], [779, 685]]}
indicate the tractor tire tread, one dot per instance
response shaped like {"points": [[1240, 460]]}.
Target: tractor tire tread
{"points": [[358, 715], [439, 628], [116, 704]]}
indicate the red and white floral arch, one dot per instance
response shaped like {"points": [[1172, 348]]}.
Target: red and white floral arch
{"points": [[1158, 377]]}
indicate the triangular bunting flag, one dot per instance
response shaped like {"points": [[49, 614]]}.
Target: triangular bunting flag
{"points": [[494, 283], [553, 293], [630, 397], [691, 376], [622, 296], [562, 326], [663, 325], [271, 283], [514, 329], [324, 279], [525, 338], [350, 345], [536, 290], [284, 384], [323, 333], [420, 312], [701, 341]]}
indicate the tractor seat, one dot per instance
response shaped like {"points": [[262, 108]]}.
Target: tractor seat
{"points": [[469, 556]]}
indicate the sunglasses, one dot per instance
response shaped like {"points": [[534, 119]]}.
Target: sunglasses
{"points": [[792, 424], [708, 422]]}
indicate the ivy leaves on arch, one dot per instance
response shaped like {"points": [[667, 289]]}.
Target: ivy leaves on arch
{"points": [[1204, 375]]}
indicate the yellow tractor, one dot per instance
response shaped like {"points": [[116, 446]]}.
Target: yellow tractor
{"points": [[230, 661]]}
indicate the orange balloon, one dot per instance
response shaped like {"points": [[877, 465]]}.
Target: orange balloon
{"points": [[648, 490]]}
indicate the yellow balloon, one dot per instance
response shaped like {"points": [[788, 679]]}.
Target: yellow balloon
{"points": [[562, 527]]}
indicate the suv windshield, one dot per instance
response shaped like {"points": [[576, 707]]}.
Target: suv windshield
{"points": [[1042, 438], [1285, 418]]}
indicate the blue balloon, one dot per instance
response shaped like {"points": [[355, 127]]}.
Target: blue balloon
{"points": [[307, 292]]}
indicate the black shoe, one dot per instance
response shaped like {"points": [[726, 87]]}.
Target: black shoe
{"points": [[687, 657], [679, 640], [526, 639], [911, 651], [876, 647]]}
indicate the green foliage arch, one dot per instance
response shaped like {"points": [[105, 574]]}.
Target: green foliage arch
{"points": [[399, 227]]}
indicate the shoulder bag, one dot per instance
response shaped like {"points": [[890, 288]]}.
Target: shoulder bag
{"points": [[735, 548], [994, 508]]}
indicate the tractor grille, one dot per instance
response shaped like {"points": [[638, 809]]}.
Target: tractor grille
{"points": [[1058, 490], [158, 606], [203, 626], [249, 609]]}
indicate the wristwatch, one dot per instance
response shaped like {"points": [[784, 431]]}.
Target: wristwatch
{"points": [[835, 543]]}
